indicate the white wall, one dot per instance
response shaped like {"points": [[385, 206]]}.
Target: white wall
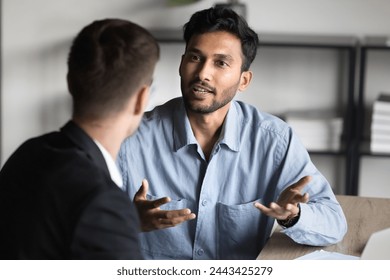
{"points": [[37, 35]]}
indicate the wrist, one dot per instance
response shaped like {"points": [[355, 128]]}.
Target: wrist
{"points": [[290, 221]]}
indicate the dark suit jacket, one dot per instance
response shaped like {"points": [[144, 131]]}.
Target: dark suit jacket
{"points": [[57, 201]]}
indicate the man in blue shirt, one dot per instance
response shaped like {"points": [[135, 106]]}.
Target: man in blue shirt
{"points": [[219, 171]]}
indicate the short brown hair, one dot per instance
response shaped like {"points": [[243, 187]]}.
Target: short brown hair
{"points": [[108, 61]]}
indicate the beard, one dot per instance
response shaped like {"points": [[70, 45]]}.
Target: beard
{"points": [[197, 106]]}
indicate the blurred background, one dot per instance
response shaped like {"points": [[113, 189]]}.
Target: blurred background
{"points": [[36, 36]]}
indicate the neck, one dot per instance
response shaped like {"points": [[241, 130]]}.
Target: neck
{"points": [[107, 132], [207, 129]]}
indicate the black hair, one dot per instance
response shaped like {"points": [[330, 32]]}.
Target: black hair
{"points": [[224, 19]]}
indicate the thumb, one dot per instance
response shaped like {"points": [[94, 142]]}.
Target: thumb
{"points": [[142, 191]]}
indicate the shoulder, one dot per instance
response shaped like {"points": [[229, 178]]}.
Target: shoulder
{"points": [[32, 150], [158, 122], [41, 142], [165, 110], [54, 160], [257, 120]]}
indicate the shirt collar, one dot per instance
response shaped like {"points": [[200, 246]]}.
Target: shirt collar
{"points": [[230, 135], [112, 168], [183, 134]]}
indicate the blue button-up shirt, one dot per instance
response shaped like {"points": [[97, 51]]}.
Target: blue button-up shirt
{"points": [[255, 158]]}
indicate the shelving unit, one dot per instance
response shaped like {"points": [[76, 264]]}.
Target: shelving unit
{"points": [[372, 48], [347, 47], [369, 45]]}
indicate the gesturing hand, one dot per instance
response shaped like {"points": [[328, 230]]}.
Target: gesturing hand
{"points": [[152, 217], [287, 204]]}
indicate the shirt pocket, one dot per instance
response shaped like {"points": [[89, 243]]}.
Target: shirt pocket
{"points": [[241, 229], [168, 243]]}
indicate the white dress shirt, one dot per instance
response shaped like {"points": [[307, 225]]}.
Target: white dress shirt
{"points": [[112, 167]]}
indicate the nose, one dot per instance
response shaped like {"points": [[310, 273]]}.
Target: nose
{"points": [[205, 71]]}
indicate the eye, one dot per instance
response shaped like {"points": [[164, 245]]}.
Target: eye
{"points": [[221, 63], [195, 58]]}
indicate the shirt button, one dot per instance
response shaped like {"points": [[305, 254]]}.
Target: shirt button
{"points": [[200, 252], [204, 202]]}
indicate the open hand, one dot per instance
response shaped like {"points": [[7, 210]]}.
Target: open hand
{"points": [[152, 217], [287, 205]]}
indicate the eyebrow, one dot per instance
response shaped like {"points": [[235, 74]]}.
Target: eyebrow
{"points": [[224, 57], [221, 56]]}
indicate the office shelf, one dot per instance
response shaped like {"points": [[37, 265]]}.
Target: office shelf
{"points": [[373, 45]]}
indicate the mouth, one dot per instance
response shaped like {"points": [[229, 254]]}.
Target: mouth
{"points": [[199, 89]]}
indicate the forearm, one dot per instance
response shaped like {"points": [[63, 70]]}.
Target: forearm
{"points": [[320, 224]]}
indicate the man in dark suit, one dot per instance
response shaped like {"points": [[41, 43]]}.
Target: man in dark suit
{"points": [[60, 193]]}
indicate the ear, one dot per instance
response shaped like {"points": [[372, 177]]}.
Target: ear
{"points": [[141, 100], [245, 80]]}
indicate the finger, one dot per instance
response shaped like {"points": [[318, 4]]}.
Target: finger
{"points": [[176, 221], [305, 198], [171, 214], [142, 191], [161, 201], [177, 213], [260, 206], [141, 195], [277, 209], [274, 211], [300, 198], [264, 209], [291, 210], [301, 183], [282, 213]]}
